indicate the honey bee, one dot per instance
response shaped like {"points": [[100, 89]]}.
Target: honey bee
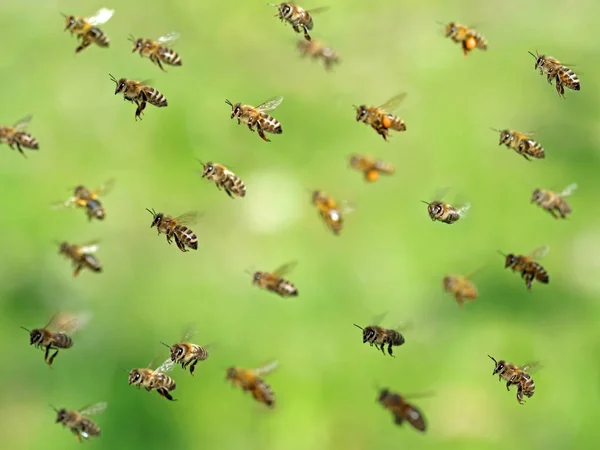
{"points": [[273, 281], [443, 212], [251, 381], [15, 136], [516, 375], [380, 337], [88, 199], [467, 37], [157, 50], [86, 28], [530, 269], [223, 178], [78, 422], [330, 211], [402, 410], [553, 202], [154, 379], [461, 287], [139, 92], [186, 353], [176, 228], [380, 117], [522, 143], [555, 70], [318, 49], [257, 117], [300, 19], [370, 167], [81, 256]]}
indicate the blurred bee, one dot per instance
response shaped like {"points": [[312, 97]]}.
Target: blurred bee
{"points": [[516, 375], [461, 287], [380, 117], [176, 228], [86, 28], [186, 353], [251, 381], [402, 410], [154, 379], [370, 167], [380, 337], [15, 136], [553, 202], [81, 256], [555, 70], [88, 199], [521, 143], [443, 212], [223, 178], [273, 281], [300, 19], [318, 49], [330, 211], [78, 422], [467, 37], [157, 50], [257, 117], [530, 270], [139, 92]]}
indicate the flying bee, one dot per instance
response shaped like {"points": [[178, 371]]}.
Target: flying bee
{"points": [[86, 28], [273, 281], [186, 353], [15, 136], [467, 37], [82, 256], [402, 410], [380, 337], [223, 178], [555, 70], [300, 19], [157, 50], [257, 117], [89, 199], [516, 375], [154, 379], [176, 228], [370, 167], [461, 287], [380, 118], [522, 143], [79, 422], [318, 50], [140, 93], [530, 270], [441, 211], [251, 380], [553, 202], [330, 211]]}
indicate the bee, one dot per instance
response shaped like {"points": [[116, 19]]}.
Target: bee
{"points": [[402, 410], [186, 353], [15, 136], [530, 269], [273, 281], [467, 37], [251, 381], [86, 28], [516, 375], [522, 143], [441, 211], [555, 70], [553, 202], [461, 287], [380, 337], [176, 228], [89, 199], [139, 92], [82, 256], [318, 49], [78, 422], [380, 117], [257, 117], [157, 50], [330, 211], [370, 167], [300, 19], [154, 379], [223, 178]]}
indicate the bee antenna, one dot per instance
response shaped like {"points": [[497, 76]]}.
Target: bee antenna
{"points": [[131, 38], [229, 103], [535, 56], [151, 212], [493, 129], [358, 326], [427, 203], [52, 406], [249, 272], [112, 77], [165, 344], [503, 254], [29, 331], [493, 359], [440, 23]]}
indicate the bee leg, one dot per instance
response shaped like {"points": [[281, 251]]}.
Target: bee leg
{"points": [[250, 126], [508, 383], [228, 192], [140, 109], [47, 353], [157, 61], [77, 270], [193, 367], [390, 350], [261, 133], [306, 35], [52, 357], [84, 44], [382, 348], [520, 394], [180, 244]]}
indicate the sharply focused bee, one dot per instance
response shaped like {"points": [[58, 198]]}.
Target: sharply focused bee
{"points": [[300, 19], [154, 379], [157, 50], [139, 92], [530, 270], [553, 202], [443, 212], [15, 136], [370, 167], [86, 28], [176, 228], [522, 143], [467, 37], [380, 337], [555, 70], [318, 49], [82, 256], [330, 211], [223, 178], [186, 353], [461, 287], [88, 199], [516, 375], [380, 117], [402, 410], [257, 117], [78, 422], [273, 281], [251, 381]]}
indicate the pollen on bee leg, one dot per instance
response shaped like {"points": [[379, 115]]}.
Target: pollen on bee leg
{"points": [[372, 175]]}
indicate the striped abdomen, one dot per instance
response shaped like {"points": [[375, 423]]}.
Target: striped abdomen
{"points": [[568, 78], [537, 271], [95, 209], [233, 183], [270, 124], [61, 340], [169, 56], [526, 385], [263, 393], [88, 427], [98, 37], [393, 122], [393, 337], [199, 352], [452, 216], [333, 218], [154, 97], [285, 289], [26, 140], [531, 148], [91, 262], [187, 236]]}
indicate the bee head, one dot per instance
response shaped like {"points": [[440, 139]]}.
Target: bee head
{"points": [[157, 218], [285, 10], [505, 137], [256, 276], [361, 113], [231, 373], [539, 59], [435, 209], [316, 197], [208, 169], [536, 196], [450, 29], [69, 22], [137, 43], [383, 394], [448, 282], [121, 84], [135, 377], [499, 366], [510, 260], [61, 415], [354, 160], [35, 336], [63, 247], [236, 110]]}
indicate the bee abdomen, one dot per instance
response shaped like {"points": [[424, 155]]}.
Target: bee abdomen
{"points": [[95, 209], [89, 427], [99, 37], [270, 124], [187, 236], [92, 263], [569, 79], [398, 124], [28, 141], [264, 393], [287, 289], [169, 56], [155, 98], [540, 273], [61, 340]]}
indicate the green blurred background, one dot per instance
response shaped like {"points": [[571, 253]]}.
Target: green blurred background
{"points": [[390, 256]]}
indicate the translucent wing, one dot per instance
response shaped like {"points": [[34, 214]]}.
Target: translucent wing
{"points": [[267, 368], [346, 207], [318, 10], [270, 104], [540, 252], [68, 202], [96, 408], [441, 192], [568, 190], [102, 16], [285, 268], [393, 102], [464, 208], [70, 323], [166, 366], [379, 318], [188, 334], [404, 326], [531, 367], [106, 187], [22, 123], [89, 247], [169, 38], [189, 218]]}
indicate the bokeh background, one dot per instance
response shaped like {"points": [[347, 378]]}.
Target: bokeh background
{"points": [[390, 256]]}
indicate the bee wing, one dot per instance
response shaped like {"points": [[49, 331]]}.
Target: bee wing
{"points": [[285, 268], [169, 38], [531, 367], [270, 104], [70, 323], [379, 318], [189, 218], [68, 202], [318, 10], [106, 187], [393, 102], [404, 326], [266, 368], [102, 16], [346, 207], [568, 190], [166, 366], [89, 247], [462, 209], [540, 252], [188, 334], [441, 192], [22, 123], [96, 408]]}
